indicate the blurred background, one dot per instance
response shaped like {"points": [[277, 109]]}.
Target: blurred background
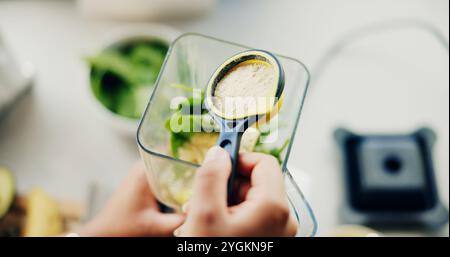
{"points": [[377, 67]]}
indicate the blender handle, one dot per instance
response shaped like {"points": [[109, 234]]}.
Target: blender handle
{"points": [[230, 142]]}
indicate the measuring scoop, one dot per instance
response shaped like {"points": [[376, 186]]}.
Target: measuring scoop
{"points": [[246, 89]]}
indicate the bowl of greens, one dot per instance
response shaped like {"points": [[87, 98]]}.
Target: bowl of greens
{"points": [[123, 72]]}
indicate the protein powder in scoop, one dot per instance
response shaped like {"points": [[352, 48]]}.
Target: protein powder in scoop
{"points": [[244, 89]]}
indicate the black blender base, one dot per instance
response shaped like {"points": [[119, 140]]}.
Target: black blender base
{"points": [[389, 180]]}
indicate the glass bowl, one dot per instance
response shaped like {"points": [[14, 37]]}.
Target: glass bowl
{"points": [[190, 62]]}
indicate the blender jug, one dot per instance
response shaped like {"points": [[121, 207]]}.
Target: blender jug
{"points": [[189, 63]]}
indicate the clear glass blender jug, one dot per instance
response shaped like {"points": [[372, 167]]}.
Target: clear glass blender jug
{"points": [[191, 60]]}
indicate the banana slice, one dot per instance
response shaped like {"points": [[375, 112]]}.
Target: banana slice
{"points": [[7, 190], [43, 215], [195, 150], [249, 140]]}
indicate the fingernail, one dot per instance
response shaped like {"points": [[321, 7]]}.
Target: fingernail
{"points": [[184, 208], [213, 154]]}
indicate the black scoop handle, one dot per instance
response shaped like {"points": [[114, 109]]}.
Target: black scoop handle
{"points": [[230, 142]]}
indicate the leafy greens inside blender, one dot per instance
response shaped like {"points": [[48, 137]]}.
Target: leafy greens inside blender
{"points": [[192, 146], [122, 77]]}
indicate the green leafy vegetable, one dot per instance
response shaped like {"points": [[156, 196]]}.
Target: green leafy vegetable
{"points": [[187, 125], [186, 120], [122, 77], [177, 140], [275, 152]]}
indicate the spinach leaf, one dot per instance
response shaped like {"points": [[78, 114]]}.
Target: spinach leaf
{"points": [[122, 77]]}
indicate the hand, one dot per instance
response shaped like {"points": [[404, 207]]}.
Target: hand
{"points": [[132, 211], [262, 209]]}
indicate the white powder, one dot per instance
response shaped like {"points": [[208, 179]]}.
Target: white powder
{"points": [[243, 90]]}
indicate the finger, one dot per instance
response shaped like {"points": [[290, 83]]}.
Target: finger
{"points": [[162, 223], [185, 208], [248, 161], [210, 184], [134, 190], [178, 231], [264, 172], [242, 186], [291, 227], [138, 180]]}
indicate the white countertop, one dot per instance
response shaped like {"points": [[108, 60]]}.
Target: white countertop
{"points": [[54, 140]]}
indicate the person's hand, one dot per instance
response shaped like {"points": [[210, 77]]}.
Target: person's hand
{"points": [[262, 209], [132, 211]]}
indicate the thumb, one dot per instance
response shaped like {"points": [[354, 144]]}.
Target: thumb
{"points": [[210, 183]]}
